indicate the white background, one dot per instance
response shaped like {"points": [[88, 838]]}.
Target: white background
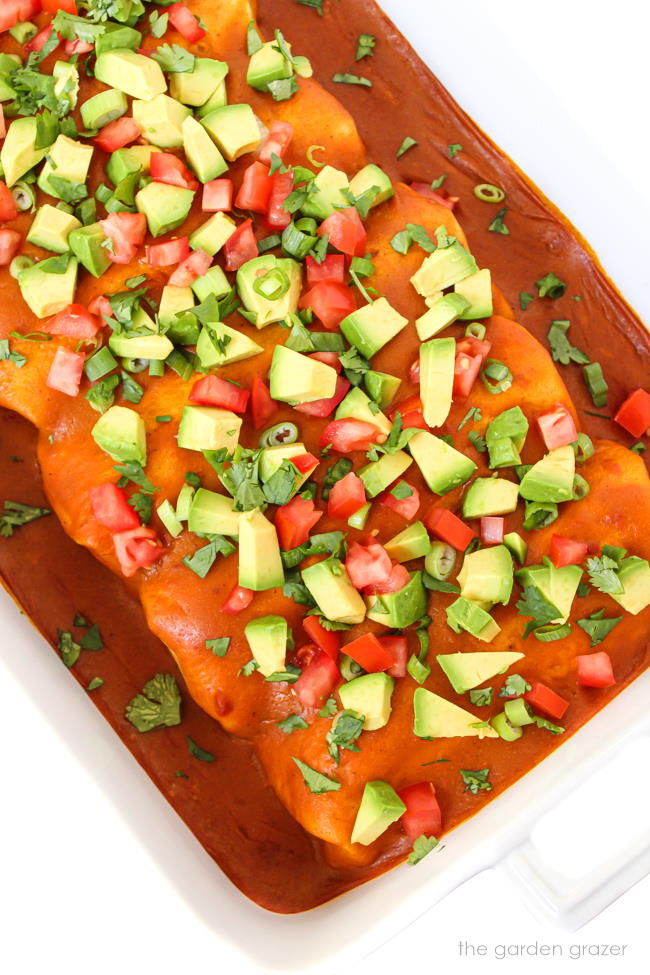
{"points": [[562, 87]]}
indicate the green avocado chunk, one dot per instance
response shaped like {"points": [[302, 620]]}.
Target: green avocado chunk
{"points": [[330, 586], [411, 543], [267, 638], [165, 207], [297, 378], [551, 478], [260, 564], [381, 387], [208, 428], [436, 717], [465, 615], [437, 360], [468, 670], [370, 327], [47, 287], [134, 74], [269, 287], [51, 229], [400, 609], [369, 695], [213, 514], [486, 575], [477, 291], [368, 177], [18, 154], [380, 806], [445, 267], [558, 586], [443, 467], [86, 244], [120, 432], [490, 496], [634, 576]]}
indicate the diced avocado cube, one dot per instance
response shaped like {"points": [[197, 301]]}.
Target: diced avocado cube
{"points": [[220, 345], [436, 717], [378, 474], [634, 576], [69, 160], [165, 207], [558, 586], [260, 563], [411, 543], [267, 638], [175, 299], [261, 279], [443, 467], [134, 74], [370, 696], [443, 268], [488, 496], [329, 584], [167, 515], [202, 154], [368, 177], [18, 154], [217, 99], [213, 282], [400, 609], [468, 670], [161, 120], [126, 161], [271, 458], [327, 193], [267, 64], [516, 546], [486, 575], [8, 63], [297, 378], [358, 406], [437, 362], [66, 83], [370, 327], [104, 107], [153, 347], [51, 228], [512, 424], [551, 478], [477, 291], [380, 806], [46, 289], [184, 502], [213, 234], [463, 615], [442, 313], [197, 86], [208, 428], [381, 387], [86, 244], [213, 514], [359, 518], [115, 36], [120, 432], [235, 130]]}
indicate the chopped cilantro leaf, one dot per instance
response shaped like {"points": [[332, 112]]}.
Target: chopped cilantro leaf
{"points": [[15, 515], [316, 782], [218, 646], [328, 709], [550, 286], [514, 686], [344, 732], [533, 603], [344, 78], [481, 696], [292, 723], [407, 143], [476, 781], [454, 149], [92, 639], [197, 752], [422, 846], [365, 46], [173, 58], [597, 626], [525, 299], [68, 649], [157, 706], [94, 683], [498, 226]]}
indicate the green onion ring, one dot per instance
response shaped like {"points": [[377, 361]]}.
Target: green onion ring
{"points": [[489, 193]]}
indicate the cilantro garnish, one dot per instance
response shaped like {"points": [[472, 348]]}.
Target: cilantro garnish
{"points": [[603, 570], [197, 752], [498, 226], [158, 23], [94, 683], [412, 234], [533, 603], [292, 723], [68, 648], [328, 709], [92, 639], [481, 696], [157, 706], [422, 846], [597, 626], [15, 515], [454, 149], [351, 79], [514, 686], [437, 183], [476, 781], [344, 732], [204, 558], [561, 349], [407, 143], [173, 58], [550, 286], [316, 782], [7, 354], [365, 46], [525, 299], [219, 646]]}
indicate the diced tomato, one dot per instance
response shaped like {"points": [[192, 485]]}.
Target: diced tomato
{"points": [[410, 410], [414, 372], [255, 189], [9, 244], [345, 231], [127, 232], [398, 578], [118, 134], [317, 681], [425, 190], [323, 407], [111, 508], [346, 435], [193, 267], [182, 18], [492, 529], [449, 528], [470, 345], [466, 370], [595, 669], [15, 11], [65, 371], [76, 322], [397, 647], [304, 463], [331, 268], [167, 252], [240, 246], [238, 600], [331, 302], [214, 391], [346, 497], [136, 549], [329, 641], [294, 521], [329, 358], [557, 428], [217, 195], [38, 42], [276, 215], [369, 653], [367, 565], [423, 816], [78, 47], [54, 5], [262, 406], [100, 306], [168, 168], [542, 698], [8, 208], [406, 507], [276, 142], [634, 414], [566, 551]]}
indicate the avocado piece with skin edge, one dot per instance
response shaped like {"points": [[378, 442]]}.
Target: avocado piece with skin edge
{"points": [[436, 717], [487, 575], [443, 268], [634, 576], [551, 478], [86, 244], [267, 638], [477, 291], [48, 291], [372, 326], [234, 129], [279, 271], [400, 609], [380, 806], [437, 363], [297, 378], [133, 73], [211, 513], [208, 428], [51, 229], [411, 543], [517, 547], [18, 153], [488, 496], [120, 432], [378, 474], [468, 670], [165, 207], [329, 584], [381, 387], [443, 467], [369, 695], [220, 345], [260, 564]]}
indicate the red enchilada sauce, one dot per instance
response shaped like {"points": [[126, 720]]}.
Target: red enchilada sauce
{"points": [[228, 803]]}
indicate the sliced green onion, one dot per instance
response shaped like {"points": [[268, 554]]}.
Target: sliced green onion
{"points": [[350, 668], [551, 632], [539, 514], [489, 193], [24, 196], [180, 364], [517, 712], [296, 244], [440, 560], [268, 243], [307, 224], [23, 32], [156, 367], [418, 670], [593, 374], [272, 285], [135, 365], [504, 729], [583, 448], [310, 156], [476, 331], [20, 263], [580, 488], [100, 364], [279, 435], [496, 376]]}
